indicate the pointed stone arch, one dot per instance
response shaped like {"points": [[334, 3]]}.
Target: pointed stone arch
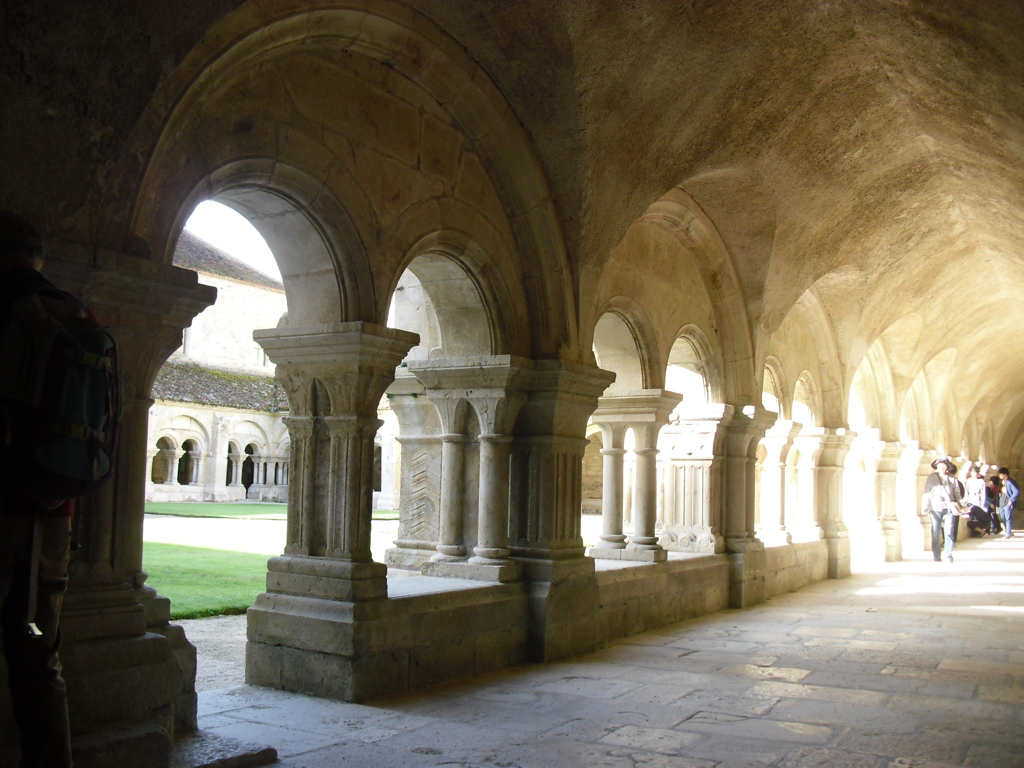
{"points": [[773, 384], [806, 394], [831, 391], [707, 361], [470, 287], [623, 341], [680, 214], [873, 383]]}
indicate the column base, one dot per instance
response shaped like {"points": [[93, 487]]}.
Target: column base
{"points": [[613, 541], [747, 563], [463, 569], [638, 555], [409, 558], [341, 580], [124, 683], [564, 607], [892, 534], [838, 555]]}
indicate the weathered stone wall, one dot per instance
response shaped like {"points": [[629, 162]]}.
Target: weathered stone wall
{"points": [[792, 566], [643, 597], [221, 336]]}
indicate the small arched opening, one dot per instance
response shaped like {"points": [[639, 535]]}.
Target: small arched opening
{"points": [[160, 472], [249, 476], [427, 411], [188, 464]]}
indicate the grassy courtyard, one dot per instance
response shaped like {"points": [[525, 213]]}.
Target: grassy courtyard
{"points": [[197, 564], [204, 582]]}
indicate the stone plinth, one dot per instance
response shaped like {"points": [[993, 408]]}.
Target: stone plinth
{"points": [[306, 632]]}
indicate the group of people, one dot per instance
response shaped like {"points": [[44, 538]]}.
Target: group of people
{"points": [[987, 505]]}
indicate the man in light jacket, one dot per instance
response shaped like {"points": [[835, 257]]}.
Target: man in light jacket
{"points": [[942, 502]]}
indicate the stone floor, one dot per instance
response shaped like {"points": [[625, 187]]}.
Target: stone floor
{"points": [[913, 664]]}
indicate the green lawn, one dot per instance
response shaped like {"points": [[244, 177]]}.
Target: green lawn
{"points": [[263, 510], [252, 510], [204, 582]]}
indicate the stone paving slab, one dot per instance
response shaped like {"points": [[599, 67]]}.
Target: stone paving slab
{"points": [[736, 689]]}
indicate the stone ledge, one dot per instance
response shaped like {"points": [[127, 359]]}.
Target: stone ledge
{"points": [[638, 555], [474, 571]]}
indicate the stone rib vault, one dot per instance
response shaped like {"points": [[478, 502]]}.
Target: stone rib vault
{"points": [[733, 273]]}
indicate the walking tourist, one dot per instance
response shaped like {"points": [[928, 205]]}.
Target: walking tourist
{"points": [[941, 501]]}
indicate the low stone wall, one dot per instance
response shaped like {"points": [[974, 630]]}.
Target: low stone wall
{"points": [[398, 644], [431, 629], [793, 566], [640, 597]]}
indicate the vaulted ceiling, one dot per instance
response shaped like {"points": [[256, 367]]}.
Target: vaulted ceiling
{"points": [[874, 150]]}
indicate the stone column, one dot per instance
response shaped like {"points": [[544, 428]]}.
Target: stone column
{"points": [[492, 536], [306, 632], [494, 387], [644, 541], [217, 463], [806, 527], [152, 457], [777, 443], [611, 492], [452, 411], [235, 464], [694, 507], [908, 500], [419, 429], [450, 546], [388, 498], [886, 464], [545, 500], [130, 674], [746, 552], [828, 498], [924, 469], [173, 457], [646, 412]]}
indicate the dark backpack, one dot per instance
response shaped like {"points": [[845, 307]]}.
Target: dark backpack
{"points": [[60, 403]]}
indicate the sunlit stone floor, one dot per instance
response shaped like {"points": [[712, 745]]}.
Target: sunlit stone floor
{"points": [[912, 664]]}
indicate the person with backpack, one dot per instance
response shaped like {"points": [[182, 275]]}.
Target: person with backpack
{"points": [[59, 406]]}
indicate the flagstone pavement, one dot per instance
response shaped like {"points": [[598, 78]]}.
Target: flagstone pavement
{"points": [[905, 664]]}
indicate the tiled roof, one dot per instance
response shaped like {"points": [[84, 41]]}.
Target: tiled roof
{"points": [[189, 383], [195, 253]]}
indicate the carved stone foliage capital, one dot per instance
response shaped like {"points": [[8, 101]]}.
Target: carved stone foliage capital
{"points": [[336, 369]]}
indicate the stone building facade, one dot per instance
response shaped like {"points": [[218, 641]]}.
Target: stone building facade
{"points": [[216, 427], [769, 251]]}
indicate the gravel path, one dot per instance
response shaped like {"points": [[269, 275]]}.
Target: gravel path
{"points": [[220, 644]]}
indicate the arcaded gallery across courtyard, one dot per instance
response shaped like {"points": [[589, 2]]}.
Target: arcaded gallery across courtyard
{"points": [[731, 275]]}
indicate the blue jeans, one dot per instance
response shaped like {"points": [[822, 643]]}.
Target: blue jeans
{"points": [[1006, 516], [942, 534]]}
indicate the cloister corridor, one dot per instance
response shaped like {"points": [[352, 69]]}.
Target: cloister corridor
{"points": [[904, 664], [731, 276]]}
